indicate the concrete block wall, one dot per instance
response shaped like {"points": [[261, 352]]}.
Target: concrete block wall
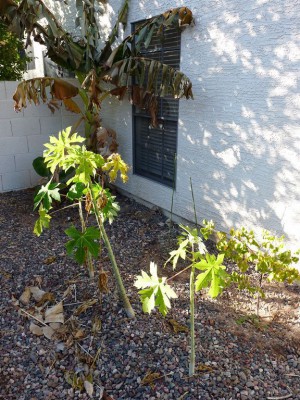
{"points": [[22, 138]]}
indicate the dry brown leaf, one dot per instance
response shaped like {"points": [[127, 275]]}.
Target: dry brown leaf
{"points": [[5, 4], [150, 377], [35, 329], [36, 292], [55, 314], [45, 298], [70, 341], [25, 296], [61, 89], [204, 368], [89, 387], [5, 274], [79, 334], [55, 325], [102, 281], [177, 327], [38, 316], [50, 260], [48, 332], [96, 327], [62, 333], [72, 106], [67, 291], [84, 306]]}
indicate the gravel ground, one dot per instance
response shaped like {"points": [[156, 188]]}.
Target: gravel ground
{"points": [[250, 360]]}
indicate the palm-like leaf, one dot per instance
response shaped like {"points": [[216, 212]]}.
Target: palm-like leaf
{"points": [[46, 90], [120, 66]]}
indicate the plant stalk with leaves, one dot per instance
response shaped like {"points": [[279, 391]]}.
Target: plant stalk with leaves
{"points": [[66, 152], [102, 66], [263, 253], [156, 291]]}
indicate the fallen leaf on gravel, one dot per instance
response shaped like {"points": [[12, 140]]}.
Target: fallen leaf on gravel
{"points": [[37, 315], [67, 291], [38, 280], [177, 327], [5, 274], [89, 387], [150, 377], [55, 325], [55, 314], [102, 282], [204, 368], [49, 260], [37, 293], [84, 306], [96, 327], [48, 332], [35, 329], [46, 297], [25, 296], [70, 341], [79, 334]]}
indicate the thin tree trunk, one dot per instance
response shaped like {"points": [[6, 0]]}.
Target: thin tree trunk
{"points": [[192, 322], [121, 289], [89, 259]]}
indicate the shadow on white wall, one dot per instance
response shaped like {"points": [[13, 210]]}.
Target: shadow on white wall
{"points": [[247, 105]]}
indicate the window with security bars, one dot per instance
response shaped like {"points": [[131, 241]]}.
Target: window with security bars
{"points": [[155, 148]]}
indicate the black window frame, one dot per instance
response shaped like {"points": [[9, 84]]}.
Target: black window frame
{"points": [[165, 173]]}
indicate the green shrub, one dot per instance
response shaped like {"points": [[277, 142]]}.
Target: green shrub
{"points": [[12, 56]]}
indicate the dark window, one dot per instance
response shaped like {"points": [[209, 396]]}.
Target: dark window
{"points": [[155, 148]]}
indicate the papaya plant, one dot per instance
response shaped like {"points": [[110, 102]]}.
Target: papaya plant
{"points": [[65, 152], [102, 66], [156, 292], [264, 253]]}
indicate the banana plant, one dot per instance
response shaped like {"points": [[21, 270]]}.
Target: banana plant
{"points": [[101, 70]]}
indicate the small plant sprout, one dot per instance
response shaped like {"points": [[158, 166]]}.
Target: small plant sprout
{"points": [[263, 253], [157, 292], [66, 152]]}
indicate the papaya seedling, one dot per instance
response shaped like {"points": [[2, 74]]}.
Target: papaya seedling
{"points": [[156, 292], [264, 253], [65, 152]]}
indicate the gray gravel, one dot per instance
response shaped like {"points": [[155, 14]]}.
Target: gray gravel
{"points": [[245, 361]]}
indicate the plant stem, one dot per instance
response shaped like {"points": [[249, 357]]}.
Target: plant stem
{"points": [[172, 199], [194, 204], [192, 322], [258, 295], [178, 273], [121, 289], [89, 259]]}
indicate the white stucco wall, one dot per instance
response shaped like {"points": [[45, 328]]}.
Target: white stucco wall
{"points": [[239, 139]]}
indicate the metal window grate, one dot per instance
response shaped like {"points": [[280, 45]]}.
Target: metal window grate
{"points": [[155, 148]]}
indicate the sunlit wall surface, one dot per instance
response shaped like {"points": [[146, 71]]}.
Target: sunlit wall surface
{"points": [[239, 140]]}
